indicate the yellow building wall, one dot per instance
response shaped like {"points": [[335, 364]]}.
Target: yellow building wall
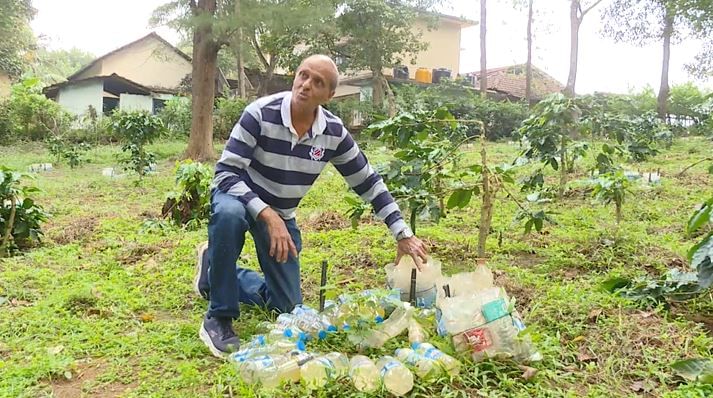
{"points": [[5, 84], [149, 62], [443, 48]]}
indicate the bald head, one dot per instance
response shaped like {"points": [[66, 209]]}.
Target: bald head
{"points": [[326, 65]]}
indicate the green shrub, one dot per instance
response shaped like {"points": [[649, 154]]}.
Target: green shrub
{"points": [[136, 129], [189, 204], [226, 115], [33, 116], [6, 128], [20, 216], [501, 118], [176, 116]]}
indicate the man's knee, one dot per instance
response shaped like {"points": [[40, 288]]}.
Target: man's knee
{"points": [[228, 210]]}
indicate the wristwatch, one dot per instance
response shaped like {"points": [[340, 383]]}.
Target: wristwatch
{"points": [[405, 233]]}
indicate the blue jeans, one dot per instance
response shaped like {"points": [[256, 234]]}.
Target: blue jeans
{"points": [[279, 290]]}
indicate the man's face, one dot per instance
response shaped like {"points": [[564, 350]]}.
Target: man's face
{"points": [[311, 86]]}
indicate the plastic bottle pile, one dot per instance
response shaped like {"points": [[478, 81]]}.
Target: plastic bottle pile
{"points": [[478, 316]]}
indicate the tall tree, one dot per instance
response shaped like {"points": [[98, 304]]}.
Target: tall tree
{"points": [[483, 52], [279, 29], [577, 12], [528, 74], [17, 37], [645, 21], [375, 34], [54, 66]]}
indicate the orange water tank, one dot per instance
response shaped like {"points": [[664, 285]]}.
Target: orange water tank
{"points": [[423, 75]]}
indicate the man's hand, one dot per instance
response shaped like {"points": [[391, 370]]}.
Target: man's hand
{"points": [[413, 247], [281, 244]]}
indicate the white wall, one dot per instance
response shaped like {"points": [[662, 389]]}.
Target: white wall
{"points": [[77, 98], [132, 102]]}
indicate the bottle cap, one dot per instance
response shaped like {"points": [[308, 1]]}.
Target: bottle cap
{"points": [[415, 345], [322, 335], [287, 332], [379, 319], [301, 345], [331, 328]]}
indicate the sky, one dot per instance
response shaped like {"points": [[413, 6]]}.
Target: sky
{"points": [[100, 26]]}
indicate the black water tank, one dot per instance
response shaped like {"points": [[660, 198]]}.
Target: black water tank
{"points": [[401, 72], [441, 73]]}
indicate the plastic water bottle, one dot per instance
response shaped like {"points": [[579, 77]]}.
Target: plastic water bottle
{"points": [[306, 319], [363, 373], [269, 370], [317, 372], [261, 347], [396, 377], [450, 365], [423, 367], [391, 327], [416, 333]]}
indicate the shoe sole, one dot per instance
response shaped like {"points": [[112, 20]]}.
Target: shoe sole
{"points": [[208, 342], [199, 269]]}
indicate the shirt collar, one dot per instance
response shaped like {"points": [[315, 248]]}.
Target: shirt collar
{"points": [[320, 122]]}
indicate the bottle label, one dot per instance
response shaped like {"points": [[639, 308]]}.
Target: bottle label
{"points": [[433, 353], [388, 366], [478, 339], [494, 310]]}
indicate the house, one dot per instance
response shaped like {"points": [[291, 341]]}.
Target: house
{"points": [[141, 75], [510, 82], [5, 84], [444, 48]]}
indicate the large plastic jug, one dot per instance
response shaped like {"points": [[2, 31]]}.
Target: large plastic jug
{"points": [[398, 276]]}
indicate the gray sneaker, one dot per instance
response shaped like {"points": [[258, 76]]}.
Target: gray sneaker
{"points": [[200, 282], [217, 333]]}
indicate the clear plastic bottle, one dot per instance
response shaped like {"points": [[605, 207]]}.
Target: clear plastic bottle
{"points": [[260, 347], [396, 377], [364, 373], [422, 366], [317, 372], [391, 327], [416, 334], [450, 365], [269, 370], [307, 320]]}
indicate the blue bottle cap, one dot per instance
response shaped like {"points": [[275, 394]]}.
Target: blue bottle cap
{"points": [[331, 328], [415, 345], [346, 326], [322, 335], [304, 336], [301, 345], [379, 319], [261, 339], [287, 332]]}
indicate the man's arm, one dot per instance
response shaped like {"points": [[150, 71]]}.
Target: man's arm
{"points": [[351, 163], [236, 158]]}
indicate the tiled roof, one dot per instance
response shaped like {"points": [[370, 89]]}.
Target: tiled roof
{"points": [[511, 80]]}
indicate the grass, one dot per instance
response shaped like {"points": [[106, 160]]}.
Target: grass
{"points": [[104, 308]]}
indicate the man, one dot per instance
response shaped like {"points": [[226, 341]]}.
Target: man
{"points": [[273, 156]]}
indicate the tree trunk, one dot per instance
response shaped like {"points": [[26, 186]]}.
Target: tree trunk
{"points": [[391, 99], [618, 213], [486, 211], [574, 21], [264, 88], [664, 89], [528, 79], [563, 168], [483, 63], [377, 96], [239, 54], [205, 64]]}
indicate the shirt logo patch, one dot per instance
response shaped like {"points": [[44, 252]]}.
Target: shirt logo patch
{"points": [[317, 152]]}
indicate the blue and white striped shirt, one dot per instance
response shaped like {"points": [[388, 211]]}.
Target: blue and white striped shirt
{"points": [[265, 164]]}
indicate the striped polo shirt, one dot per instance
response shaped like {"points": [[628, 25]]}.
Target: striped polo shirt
{"points": [[265, 164]]}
